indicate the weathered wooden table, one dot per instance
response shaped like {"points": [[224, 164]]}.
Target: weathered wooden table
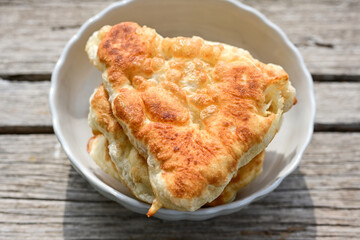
{"points": [[42, 197]]}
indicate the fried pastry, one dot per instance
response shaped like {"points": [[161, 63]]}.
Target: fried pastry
{"points": [[245, 175], [130, 167], [196, 110], [98, 150], [103, 122]]}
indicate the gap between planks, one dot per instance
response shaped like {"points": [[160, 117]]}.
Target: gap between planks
{"points": [[316, 77], [24, 130]]}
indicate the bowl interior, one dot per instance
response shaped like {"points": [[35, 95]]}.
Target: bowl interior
{"points": [[74, 80]]}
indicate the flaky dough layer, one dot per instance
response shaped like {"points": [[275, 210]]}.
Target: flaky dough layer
{"points": [[196, 110], [126, 165]]}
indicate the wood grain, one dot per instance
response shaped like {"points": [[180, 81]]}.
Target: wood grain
{"points": [[322, 30], [337, 102], [326, 32], [42, 197], [25, 105]]}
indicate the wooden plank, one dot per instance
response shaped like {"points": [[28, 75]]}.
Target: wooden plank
{"points": [[42, 197], [25, 105], [322, 30], [337, 103], [71, 220], [326, 32], [34, 33]]}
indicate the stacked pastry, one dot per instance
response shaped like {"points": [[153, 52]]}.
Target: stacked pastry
{"points": [[182, 122]]}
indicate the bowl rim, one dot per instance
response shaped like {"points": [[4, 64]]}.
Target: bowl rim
{"points": [[126, 201]]}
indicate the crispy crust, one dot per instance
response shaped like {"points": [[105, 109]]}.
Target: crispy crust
{"points": [[98, 148], [197, 110], [130, 166], [243, 177]]}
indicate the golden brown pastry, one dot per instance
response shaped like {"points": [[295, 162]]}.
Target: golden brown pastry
{"points": [[136, 178], [196, 110], [127, 165], [245, 175], [98, 150]]}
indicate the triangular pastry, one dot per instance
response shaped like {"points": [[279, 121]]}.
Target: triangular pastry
{"points": [[125, 164], [196, 110]]}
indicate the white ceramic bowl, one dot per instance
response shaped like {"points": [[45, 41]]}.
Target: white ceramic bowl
{"points": [[232, 22]]}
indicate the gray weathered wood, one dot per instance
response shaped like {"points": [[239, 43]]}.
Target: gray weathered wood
{"points": [[337, 103], [327, 33], [42, 197], [26, 104], [322, 30]]}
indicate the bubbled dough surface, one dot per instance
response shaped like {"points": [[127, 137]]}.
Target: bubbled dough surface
{"points": [[196, 110], [103, 122]]}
